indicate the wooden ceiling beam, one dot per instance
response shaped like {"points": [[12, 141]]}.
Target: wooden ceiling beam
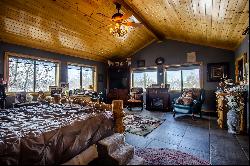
{"points": [[160, 36]]}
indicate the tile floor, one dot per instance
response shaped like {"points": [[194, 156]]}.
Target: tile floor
{"points": [[201, 138]]}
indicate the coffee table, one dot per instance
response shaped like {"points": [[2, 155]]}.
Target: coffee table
{"points": [[135, 103]]}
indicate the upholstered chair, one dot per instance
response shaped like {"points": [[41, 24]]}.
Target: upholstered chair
{"points": [[190, 102]]}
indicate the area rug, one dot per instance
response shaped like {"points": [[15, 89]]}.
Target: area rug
{"points": [[140, 125], [164, 156]]}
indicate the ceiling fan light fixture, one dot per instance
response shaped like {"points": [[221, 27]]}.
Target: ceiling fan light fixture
{"points": [[119, 30], [117, 16]]}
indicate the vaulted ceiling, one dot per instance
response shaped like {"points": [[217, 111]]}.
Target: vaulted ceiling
{"points": [[81, 27]]}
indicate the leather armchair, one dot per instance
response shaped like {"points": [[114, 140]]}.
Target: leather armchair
{"points": [[136, 93], [195, 105], [136, 98]]}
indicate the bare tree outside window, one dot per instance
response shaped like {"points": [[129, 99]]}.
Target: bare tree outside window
{"points": [[45, 75], [29, 75], [150, 78], [191, 78], [80, 77], [87, 77], [144, 79], [181, 79], [21, 75], [174, 79], [138, 79], [74, 77]]}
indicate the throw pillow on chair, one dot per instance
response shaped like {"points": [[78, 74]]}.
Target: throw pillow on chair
{"points": [[189, 102]]}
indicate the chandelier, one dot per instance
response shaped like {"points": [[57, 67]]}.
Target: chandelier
{"points": [[119, 30]]}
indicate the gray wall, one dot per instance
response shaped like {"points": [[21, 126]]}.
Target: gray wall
{"points": [[101, 67], [244, 47], [175, 52]]}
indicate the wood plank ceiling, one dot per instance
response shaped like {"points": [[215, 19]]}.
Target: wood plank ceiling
{"points": [[70, 27], [74, 27], [217, 23]]}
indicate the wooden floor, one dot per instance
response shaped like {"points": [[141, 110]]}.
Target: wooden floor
{"points": [[201, 137]]}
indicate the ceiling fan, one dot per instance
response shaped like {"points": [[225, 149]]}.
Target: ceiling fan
{"points": [[120, 18]]}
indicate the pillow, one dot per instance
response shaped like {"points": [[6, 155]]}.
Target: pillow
{"points": [[179, 100], [189, 94], [187, 100], [183, 94]]}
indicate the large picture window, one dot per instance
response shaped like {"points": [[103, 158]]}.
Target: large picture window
{"points": [[30, 75], [81, 77], [144, 78], [174, 79], [183, 78], [74, 73]]}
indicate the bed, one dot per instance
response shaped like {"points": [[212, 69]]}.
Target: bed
{"points": [[50, 134]]}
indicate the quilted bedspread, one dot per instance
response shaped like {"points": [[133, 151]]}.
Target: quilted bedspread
{"points": [[50, 134]]}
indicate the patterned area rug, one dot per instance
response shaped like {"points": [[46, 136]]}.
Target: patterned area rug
{"points": [[164, 156], [140, 125]]}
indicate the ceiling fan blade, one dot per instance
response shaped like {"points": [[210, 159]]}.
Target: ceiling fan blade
{"points": [[126, 16], [103, 15], [133, 24], [106, 26]]}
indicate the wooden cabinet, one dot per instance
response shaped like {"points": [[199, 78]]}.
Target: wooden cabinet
{"points": [[157, 99], [118, 77], [118, 83]]}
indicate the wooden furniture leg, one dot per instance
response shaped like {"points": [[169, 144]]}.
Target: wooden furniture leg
{"points": [[117, 108]]}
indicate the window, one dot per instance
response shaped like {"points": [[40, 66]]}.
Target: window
{"points": [[144, 78], [191, 78], [150, 78], [174, 79], [74, 77], [21, 75], [81, 77], [30, 75], [45, 75], [87, 77], [183, 78], [138, 79]]}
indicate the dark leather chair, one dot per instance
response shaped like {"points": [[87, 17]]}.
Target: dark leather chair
{"points": [[136, 93], [193, 106]]}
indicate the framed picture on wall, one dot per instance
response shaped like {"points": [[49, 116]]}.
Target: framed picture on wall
{"points": [[216, 71]]}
